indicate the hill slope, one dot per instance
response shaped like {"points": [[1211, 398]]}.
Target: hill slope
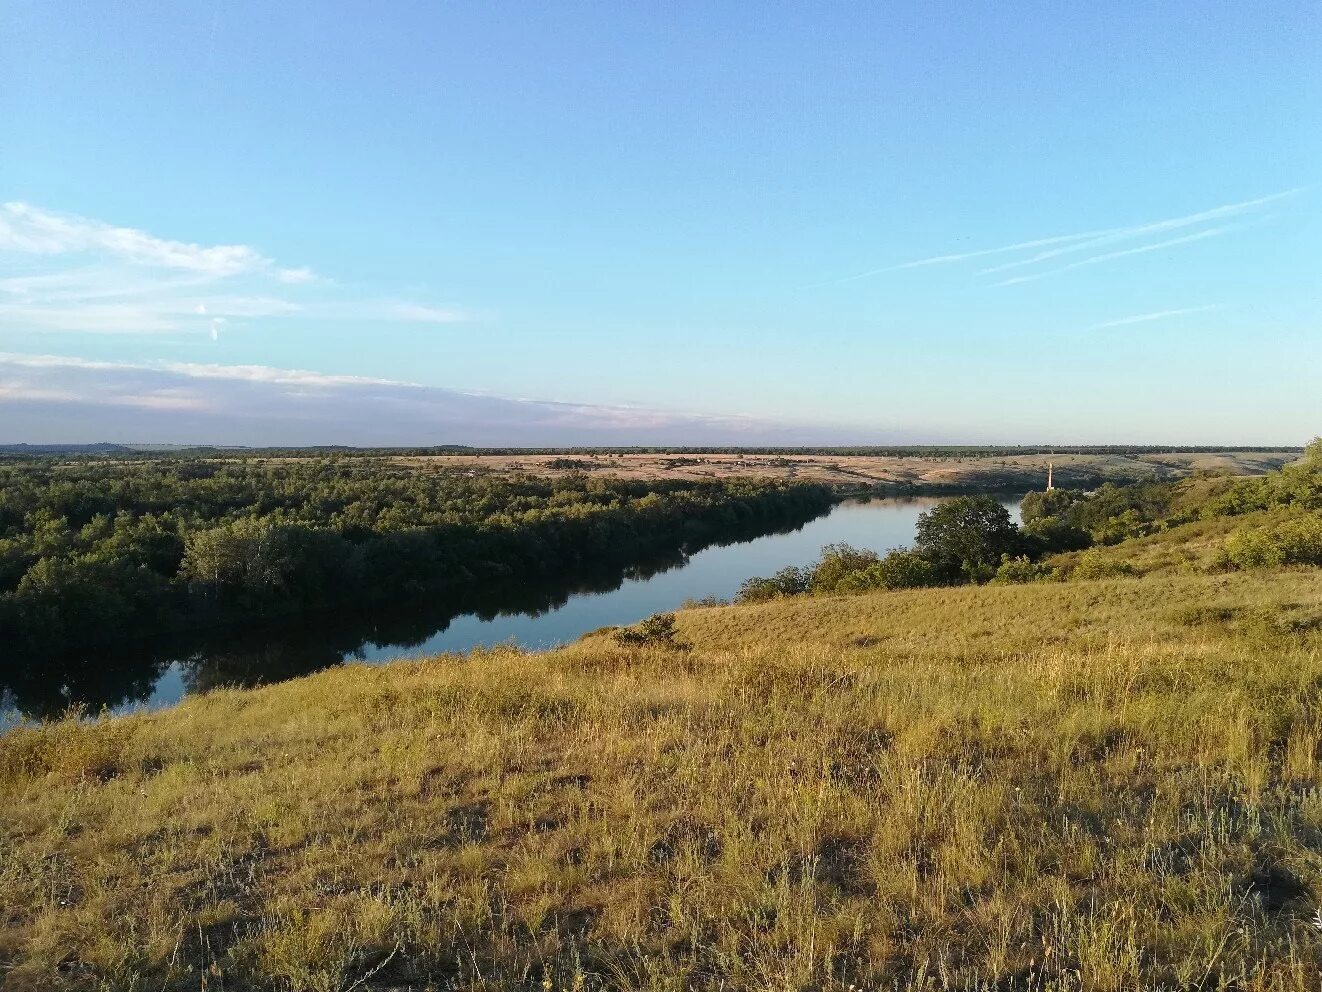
{"points": [[1098, 784]]}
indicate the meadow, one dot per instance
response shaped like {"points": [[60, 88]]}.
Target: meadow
{"points": [[893, 471], [1099, 784]]}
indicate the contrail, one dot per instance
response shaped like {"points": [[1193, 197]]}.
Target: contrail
{"points": [[1081, 241], [1211, 232], [1143, 318]]}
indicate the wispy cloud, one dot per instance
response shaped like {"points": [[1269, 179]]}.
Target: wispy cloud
{"points": [[1102, 238], [963, 256], [1143, 318], [31, 230], [1211, 232], [1067, 244], [44, 397], [84, 275]]}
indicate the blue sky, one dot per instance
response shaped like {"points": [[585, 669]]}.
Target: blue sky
{"points": [[698, 222]]}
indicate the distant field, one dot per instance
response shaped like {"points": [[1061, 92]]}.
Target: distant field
{"points": [[932, 468], [1009, 471]]}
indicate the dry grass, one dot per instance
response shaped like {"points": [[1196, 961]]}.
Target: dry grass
{"points": [[1095, 785], [973, 472]]}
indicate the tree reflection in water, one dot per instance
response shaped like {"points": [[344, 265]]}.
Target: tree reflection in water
{"points": [[126, 675]]}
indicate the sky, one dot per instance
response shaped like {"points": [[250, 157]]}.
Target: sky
{"points": [[712, 222]]}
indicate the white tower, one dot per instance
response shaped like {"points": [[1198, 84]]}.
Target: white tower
{"points": [[1050, 484]]}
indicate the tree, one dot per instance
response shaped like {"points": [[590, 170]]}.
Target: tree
{"points": [[965, 537], [837, 563], [1051, 503], [1312, 457], [1048, 535]]}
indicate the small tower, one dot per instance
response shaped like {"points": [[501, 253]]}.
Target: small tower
{"points": [[1050, 483]]}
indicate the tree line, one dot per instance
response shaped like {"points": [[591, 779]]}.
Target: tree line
{"points": [[98, 551]]}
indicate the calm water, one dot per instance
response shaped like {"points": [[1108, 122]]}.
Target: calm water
{"points": [[540, 617]]}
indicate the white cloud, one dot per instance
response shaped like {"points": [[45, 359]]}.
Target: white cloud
{"points": [[296, 277], [93, 318], [31, 230], [45, 397], [88, 276]]}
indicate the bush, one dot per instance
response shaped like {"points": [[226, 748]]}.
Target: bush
{"points": [[1123, 526], [1016, 570], [788, 581], [837, 563], [706, 602], [898, 569], [1096, 565], [657, 631], [1291, 542]]}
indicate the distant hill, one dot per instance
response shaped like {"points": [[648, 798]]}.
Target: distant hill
{"points": [[101, 448], [107, 448]]}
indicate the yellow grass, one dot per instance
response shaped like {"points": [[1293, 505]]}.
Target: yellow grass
{"points": [[1010, 471], [1097, 785]]}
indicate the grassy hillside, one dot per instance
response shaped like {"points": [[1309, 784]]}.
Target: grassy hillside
{"points": [[1105, 784]]}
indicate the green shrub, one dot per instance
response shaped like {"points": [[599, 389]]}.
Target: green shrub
{"points": [[788, 581], [1096, 565], [1290, 542], [1016, 570], [656, 631], [898, 569], [837, 563]]}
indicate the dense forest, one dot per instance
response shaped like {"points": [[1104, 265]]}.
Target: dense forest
{"points": [[95, 551]]}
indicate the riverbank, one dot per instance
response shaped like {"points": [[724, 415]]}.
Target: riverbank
{"points": [[1103, 784], [158, 670], [95, 553]]}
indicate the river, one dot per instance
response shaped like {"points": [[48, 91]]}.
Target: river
{"points": [[542, 616]]}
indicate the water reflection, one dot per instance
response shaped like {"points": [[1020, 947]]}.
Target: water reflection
{"points": [[158, 671]]}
